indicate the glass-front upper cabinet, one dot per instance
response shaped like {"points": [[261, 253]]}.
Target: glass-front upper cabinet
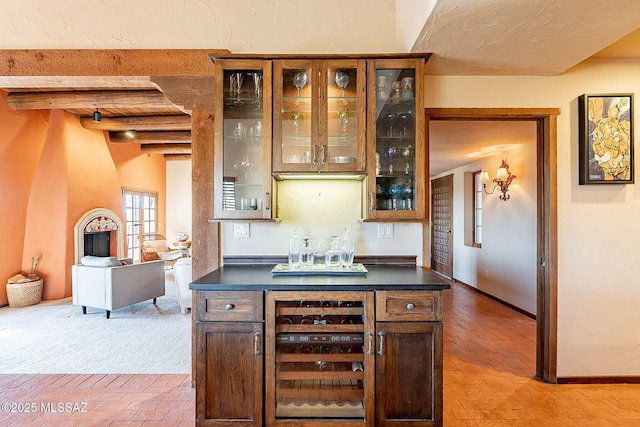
{"points": [[242, 157], [319, 116], [396, 159]]}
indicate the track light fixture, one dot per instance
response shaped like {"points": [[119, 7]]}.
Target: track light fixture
{"points": [[97, 116]]}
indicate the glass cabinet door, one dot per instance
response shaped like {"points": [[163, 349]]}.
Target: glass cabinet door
{"points": [[345, 115], [295, 115], [319, 115], [397, 166], [242, 158]]}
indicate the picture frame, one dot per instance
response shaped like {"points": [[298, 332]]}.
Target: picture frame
{"points": [[606, 139]]}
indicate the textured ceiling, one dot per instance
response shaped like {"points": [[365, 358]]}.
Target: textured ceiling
{"points": [[514, 37]]}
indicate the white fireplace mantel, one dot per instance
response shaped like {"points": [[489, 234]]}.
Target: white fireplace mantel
{"points": [[99, 219]]}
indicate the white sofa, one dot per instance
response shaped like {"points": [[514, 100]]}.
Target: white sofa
{"points": [[103, 282], [182, 275]]}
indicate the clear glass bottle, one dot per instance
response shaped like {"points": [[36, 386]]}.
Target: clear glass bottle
{"points": [[318, 257], [348, 249], [306, 254], [294, 249], [332, 257]]}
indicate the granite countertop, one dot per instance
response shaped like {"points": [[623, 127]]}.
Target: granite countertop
{"points": [[259, 277]]}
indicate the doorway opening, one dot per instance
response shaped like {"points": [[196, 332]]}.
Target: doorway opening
{"points": [[546, 213]]}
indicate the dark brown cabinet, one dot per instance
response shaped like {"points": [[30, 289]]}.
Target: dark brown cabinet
{"points": [[408, 374], [305, 358], [229, 359]]}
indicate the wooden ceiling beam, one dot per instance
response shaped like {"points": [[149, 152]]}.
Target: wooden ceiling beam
{"points": [[147, 99], [139, 123], [58, 83], [107, 62], [144, 137], [177, 156], [166, 148]]}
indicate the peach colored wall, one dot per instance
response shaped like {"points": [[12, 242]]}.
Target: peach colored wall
{"points": [[75, 174], [142, 172], [52, 171], [21, 140]]}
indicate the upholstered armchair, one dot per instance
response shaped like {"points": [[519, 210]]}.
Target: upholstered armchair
{"points": [[182, 275], [109, 283], [156, 247]]}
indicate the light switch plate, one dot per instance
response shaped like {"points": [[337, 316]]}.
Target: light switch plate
{"points": [[241, 230], [385, 230]]}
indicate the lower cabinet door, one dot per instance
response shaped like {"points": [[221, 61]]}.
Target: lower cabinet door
{"points": [[409, 374], [229, 374]]}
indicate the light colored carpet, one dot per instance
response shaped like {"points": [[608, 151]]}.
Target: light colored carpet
{"points": [[54, 337]]}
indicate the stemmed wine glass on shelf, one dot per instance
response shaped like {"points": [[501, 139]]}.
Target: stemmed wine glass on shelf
{"points": [[391, 154], [342, 80], [407, 156], [236, 80], [299, 81]]}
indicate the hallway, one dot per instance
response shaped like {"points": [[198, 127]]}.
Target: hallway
{"points": [[489, 364]]}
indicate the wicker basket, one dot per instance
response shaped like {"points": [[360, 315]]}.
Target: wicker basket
{"points": [[24, 294]]}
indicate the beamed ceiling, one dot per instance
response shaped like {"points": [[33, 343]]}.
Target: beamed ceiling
{"points": [[144, 96]]}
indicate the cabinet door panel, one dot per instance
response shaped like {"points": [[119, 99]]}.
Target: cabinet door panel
{"points": [[409, 374], [229, 373], [242, 148], [397, 161]]}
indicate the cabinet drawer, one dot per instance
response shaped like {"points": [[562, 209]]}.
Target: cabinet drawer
{"points": [[408, 306], [230, 306]]}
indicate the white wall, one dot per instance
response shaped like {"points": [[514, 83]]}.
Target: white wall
{"points": [[505, 265], [598, 289], [178, 198]]}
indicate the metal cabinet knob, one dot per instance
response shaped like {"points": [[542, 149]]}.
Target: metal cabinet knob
{"points": [[229, 307], [410, 306]]}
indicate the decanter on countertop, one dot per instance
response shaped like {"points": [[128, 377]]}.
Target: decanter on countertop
{"points": [[332, 257], [306, 254], [348, 249], [318, 257], [294, 249]]}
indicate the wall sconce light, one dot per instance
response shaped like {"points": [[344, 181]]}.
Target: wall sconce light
{"points": [[503, 180], [97, 116]]}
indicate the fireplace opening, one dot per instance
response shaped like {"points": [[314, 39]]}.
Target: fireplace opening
{"points": [[97, 244]]}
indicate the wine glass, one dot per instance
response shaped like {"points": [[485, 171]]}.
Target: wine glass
{"points": [[405, 121], [391, 123], [257, 83], [244, 166], [299, 81], [391, 154], [297, 117], [239, 76], [407, 156], [343, 118], [342, 80]]}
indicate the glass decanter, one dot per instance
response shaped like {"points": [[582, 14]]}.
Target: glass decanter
{"points": [[306, 254], [332, 257], [318, 257], [294, 249], [348, 249]]}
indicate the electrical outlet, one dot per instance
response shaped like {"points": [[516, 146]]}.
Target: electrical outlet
{"points": [[486, 274], [241, 230], [385, 230]]}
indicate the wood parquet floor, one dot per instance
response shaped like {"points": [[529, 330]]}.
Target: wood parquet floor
{"points": [[489, 368]]}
